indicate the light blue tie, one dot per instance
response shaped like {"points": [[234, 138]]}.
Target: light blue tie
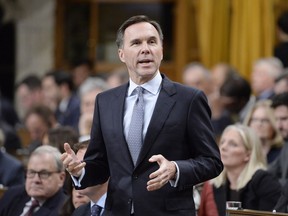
{"points": [[96, 210], [135, 134]]}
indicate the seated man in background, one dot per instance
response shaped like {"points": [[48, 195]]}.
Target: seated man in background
{"points": [[96, 194], [88, 92], [28, 94], [42, 194], [11, 170], [38, 121]]}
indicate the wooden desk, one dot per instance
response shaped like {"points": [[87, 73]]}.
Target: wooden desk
{"points": [[248, 212]]}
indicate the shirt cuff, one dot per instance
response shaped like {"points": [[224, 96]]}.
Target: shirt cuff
{"points": [[77, 181], [174, 183]]}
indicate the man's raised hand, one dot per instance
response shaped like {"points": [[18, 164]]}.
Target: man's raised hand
{"points": [[70, 161]]}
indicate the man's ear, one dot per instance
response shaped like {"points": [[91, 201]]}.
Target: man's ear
{"points": [[121, 55]]}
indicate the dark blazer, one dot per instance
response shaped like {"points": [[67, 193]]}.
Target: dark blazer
{"points": [[15, 198], [279, 167], [180, 130], [72, 114], [282, 203], [84, 210], [260, 193], [11, 170]]}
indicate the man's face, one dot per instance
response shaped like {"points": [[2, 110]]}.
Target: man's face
{"points": [[260, 79], [24, 97], [281, 116], [50, 91], [42, 188], [36, 126], [80, 74], [196, 78], [142, 51], [88, 101]]}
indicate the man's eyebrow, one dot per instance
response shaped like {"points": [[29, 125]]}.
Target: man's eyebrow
{"points": [[134, 40], [137, 39], [153, 37]]}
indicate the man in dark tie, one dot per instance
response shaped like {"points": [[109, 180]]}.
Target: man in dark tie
{"points": [[42, 194], [177, 149], [96, 194]]}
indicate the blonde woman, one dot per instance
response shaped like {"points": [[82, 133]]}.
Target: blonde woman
{"points": [[244, 177], [261, 119]]}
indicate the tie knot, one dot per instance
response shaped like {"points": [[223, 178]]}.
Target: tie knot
{"points": [[33, 206], [139, 90], [35, 203], [96, 210]]}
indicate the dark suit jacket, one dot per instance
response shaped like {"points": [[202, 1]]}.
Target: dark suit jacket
{"points": [[84, 210], [72, 114], [11, 170], [282, 203], [15, 198], [180, 130], [279, 167]]}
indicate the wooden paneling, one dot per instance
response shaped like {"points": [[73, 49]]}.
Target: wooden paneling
{"points": [[182, 35]]}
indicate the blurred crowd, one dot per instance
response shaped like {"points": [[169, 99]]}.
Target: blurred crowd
{"points": [[249, 117]]}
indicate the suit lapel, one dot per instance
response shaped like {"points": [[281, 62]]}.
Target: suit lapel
{"points": [[163, 107], [118, 104]]}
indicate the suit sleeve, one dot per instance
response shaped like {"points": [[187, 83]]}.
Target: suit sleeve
{"points": [[205, 162]]}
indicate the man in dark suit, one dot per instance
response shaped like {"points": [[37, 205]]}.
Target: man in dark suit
{"points": [[96, 194], [178, 148], [42, 194], [11, 169], [59, 95]]}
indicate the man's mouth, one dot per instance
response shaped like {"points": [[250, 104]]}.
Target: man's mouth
{"points": [[145, 61]]}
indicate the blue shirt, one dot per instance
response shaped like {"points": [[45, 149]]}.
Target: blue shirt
{"points": [[150, 95]]}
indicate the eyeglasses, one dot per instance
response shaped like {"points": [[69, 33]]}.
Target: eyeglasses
{"points": [[259, 120], [42, 174]]}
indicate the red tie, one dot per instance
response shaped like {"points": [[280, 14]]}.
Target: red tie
{"points": [[34, 205]]}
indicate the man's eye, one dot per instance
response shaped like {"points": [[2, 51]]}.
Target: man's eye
{"points": [[135, 43]]}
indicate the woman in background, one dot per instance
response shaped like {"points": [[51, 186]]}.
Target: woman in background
{"points": [[244, 177], [261, 119]]}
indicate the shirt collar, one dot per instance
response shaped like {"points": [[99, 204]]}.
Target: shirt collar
{"points": [[153, 85], [100, 202]]}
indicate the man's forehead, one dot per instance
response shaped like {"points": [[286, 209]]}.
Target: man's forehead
{"points": [[140, 29], [42, 159]]}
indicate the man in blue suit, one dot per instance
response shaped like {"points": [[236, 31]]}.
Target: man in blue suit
{"points": [[11, 169], [178, 148], [96, 194]]}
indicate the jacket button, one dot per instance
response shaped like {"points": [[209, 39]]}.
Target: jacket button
{"points": [[129, 201], [135, 177]]}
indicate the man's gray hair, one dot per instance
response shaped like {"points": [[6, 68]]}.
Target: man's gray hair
{"points": [[54, 152], [92, 83]]}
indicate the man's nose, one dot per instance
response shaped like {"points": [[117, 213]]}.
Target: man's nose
{"points": [[145, 48]]}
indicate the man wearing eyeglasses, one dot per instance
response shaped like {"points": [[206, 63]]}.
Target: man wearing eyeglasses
{"points": [[42, 194]]}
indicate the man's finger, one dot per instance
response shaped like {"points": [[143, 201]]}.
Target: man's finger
{"points": [[68, 149], [155, 158]]}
